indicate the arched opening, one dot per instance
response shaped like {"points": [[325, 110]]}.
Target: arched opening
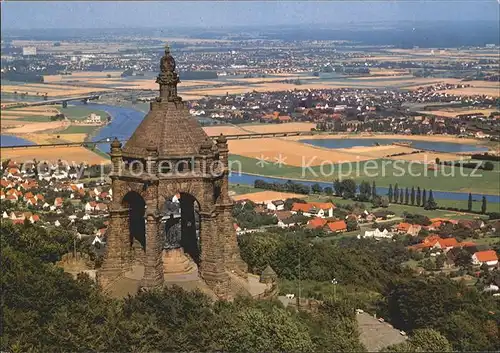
{"points": [[137, 223], [181, 222]]}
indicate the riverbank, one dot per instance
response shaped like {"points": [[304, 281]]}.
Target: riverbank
{"points": [[382, 187]]}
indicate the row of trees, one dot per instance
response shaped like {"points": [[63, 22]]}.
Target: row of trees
{"points": [[414, 198], [483, 204], [289, 186]]}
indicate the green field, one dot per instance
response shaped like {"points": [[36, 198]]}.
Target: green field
{"points": [[406, 174], [240, 189], [80, 130]]}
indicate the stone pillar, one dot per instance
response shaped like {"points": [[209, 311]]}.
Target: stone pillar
{"points": [[224, 161], [225, 227], [116, 158], [211, 267], [232, 258], [153, 268], [115, 260]]}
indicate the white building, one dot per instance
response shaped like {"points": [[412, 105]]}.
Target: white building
{"points": [[93, 119], [377, 234], [29, 51]]}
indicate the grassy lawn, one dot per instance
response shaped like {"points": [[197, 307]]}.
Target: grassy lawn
{"points": [[406, 174], [80, 130], [400, 209], [240, 189], [80, 113], [485, 240]]}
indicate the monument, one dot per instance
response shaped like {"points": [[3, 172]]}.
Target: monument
{"points": [[170, 159]]}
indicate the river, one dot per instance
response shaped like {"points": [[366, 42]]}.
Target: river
{"points": [[125, 121]]}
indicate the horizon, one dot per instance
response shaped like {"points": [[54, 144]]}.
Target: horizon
{"points": [[213, 15]]}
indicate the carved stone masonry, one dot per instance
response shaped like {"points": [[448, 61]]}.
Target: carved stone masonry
{"points": [[177, 158]]}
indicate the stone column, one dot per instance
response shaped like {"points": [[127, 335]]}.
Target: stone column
{"points": [[225, 227], [211, 267], [115, 260], [116, 158], [224, 161], [232, 259], [153, 268]]}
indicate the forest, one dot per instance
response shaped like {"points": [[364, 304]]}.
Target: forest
{"points": [[46, 310]]}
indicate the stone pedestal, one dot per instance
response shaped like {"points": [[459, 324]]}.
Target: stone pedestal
{"points": [[176, 262]]}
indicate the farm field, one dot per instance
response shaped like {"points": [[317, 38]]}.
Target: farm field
{"points": [[42, 138], [436, 138], [429, 157], [225, 129], [287, 127], [475, 91], [382, 171], [79, 129], [51, 90], [34, 123], [31, 127], [292, 153], [267, 196], [71, 154], [451, 113]]}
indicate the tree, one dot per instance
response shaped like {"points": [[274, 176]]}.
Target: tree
{"points": [[349, 188], [401, 196], [424, 198], [488, 166], [407, 196], [338, 187], [419, 196], [289, 203], [364, 191], [431, 204], [429, 340], [374, 190], [380, 201], [328, 191], [412, 196], [483, 205], [352, 224], [463, 259], [390, 193], [469, 203], [316, 188], [396, 193], [440, 260], [428, 265]]}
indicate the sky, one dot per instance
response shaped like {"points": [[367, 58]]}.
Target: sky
{"points": [[171, 14]]}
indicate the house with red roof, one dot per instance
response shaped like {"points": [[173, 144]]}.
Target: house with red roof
{"points": [[435, 242], [316, 223], [337, 226], [314, 209], [31, 202], [488, 257], [58, 202], [408, 228]]}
